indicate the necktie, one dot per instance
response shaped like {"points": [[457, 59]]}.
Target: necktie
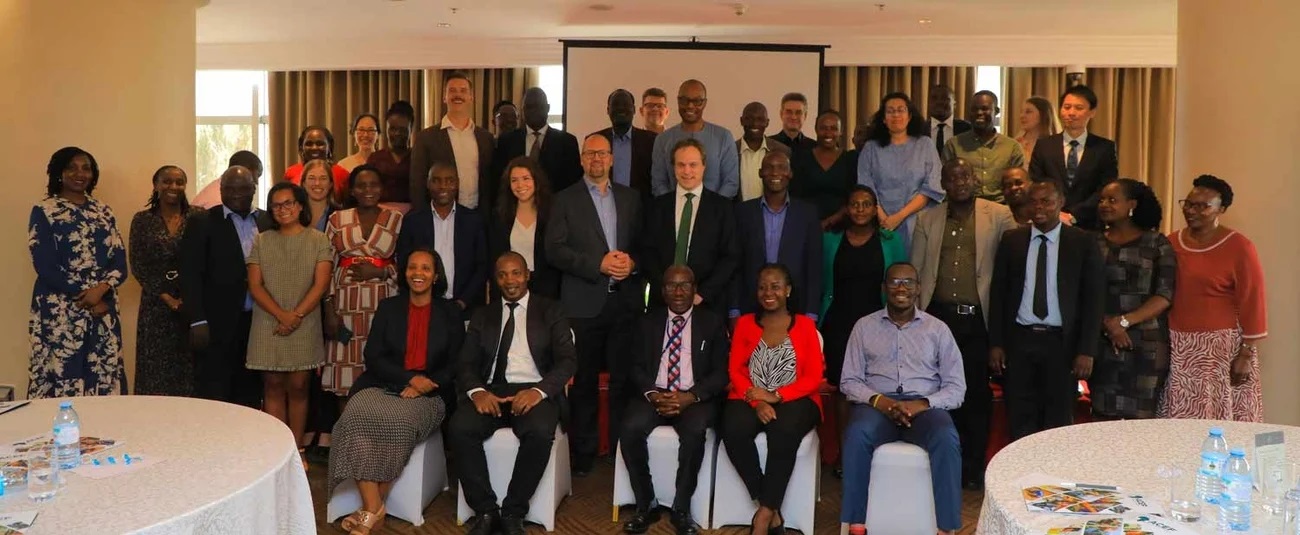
{"points": [[1072, 161], [938, 139], [536, 151], [1040, 280], [503, 347], [674, 381], [684, 231]]}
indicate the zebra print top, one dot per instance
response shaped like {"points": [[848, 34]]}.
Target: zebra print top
{"points": [[771, 368]]}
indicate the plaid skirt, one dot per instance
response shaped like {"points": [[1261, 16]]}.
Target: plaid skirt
{"points": [[374, 437]]}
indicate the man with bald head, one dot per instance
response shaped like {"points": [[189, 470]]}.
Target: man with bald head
{"points": [[721, 165], [752, 147], [214, 290], [633, 147], [554, 149]]}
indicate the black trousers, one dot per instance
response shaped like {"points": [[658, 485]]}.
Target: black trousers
{"points": [[740, 425], [222, 372], [536, 433], [972, 418], [602, 342], [1040, 384], [639, 420]]}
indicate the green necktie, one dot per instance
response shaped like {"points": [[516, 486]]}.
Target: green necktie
{"points": [[684, 231]]}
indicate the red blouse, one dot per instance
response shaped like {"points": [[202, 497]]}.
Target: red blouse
{"points": [[294, 174], [809, 368], [417, 337], [1219, 287]]}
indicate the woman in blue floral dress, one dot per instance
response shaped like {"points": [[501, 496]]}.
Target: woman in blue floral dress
{"points": [[75, 329]]}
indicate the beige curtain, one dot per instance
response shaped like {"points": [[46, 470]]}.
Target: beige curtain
{"points": [[490, 86], [332, 99], [856, 91]]}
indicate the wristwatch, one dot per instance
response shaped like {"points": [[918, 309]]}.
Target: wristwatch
{"points": [[1123, 322]]}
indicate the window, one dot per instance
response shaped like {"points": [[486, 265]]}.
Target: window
{"points": [[230, 116], [989, 77], [551, 80]]}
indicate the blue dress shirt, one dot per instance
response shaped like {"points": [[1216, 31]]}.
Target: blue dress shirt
{"points": [[622, 170], [1025, 315], [918, 360]]}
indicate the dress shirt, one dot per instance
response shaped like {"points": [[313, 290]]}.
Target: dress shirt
{"points": [[918, 360], [1025, 314], [528, 140], [695, 209], [686, 373], [606, 211], [947, 129], [622, 145], [987, 160], [956, 274], [1065, 145], [520, 366], [444, 243], [721, 164], [773, 225], [523, 241], [246, 227], [751, 185], [464, 146]]}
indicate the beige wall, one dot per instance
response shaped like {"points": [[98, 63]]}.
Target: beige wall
{"points": [[116, 82], [1238, 117]]}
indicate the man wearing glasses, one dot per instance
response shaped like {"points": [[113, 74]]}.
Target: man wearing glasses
{"points": [[903, 373], [721, 166], [654, 109]]}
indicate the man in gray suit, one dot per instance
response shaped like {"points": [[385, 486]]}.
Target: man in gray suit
{"points": [[953, 248], [590, 238], [459, 142]]}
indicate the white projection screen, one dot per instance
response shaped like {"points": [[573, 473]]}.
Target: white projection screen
{"points": [[734, 73]]}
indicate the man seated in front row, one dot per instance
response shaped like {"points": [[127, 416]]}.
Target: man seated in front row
{"points": [[680, 372], [903, 373], [517, 356]]}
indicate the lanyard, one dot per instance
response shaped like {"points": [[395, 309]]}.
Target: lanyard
{"points": [[668, 334]]}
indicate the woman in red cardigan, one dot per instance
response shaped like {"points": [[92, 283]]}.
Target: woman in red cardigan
{"points": [[776, 370]]}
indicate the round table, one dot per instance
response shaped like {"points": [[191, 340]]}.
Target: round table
{"points": [[1123, 453], [224, 469]]}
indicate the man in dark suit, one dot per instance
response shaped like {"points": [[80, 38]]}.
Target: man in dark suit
{"points": [[943, 126], [680, 376], [556, 150], [794, 109], [1045, 307], [633, 147], [458, 235], [591, 239], [214, 290], [517, 356], [1083, 163], [695, 227], [776, 228], [459, 142]]}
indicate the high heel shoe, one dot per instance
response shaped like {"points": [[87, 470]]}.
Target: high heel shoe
{"points": [[777, 525], [367, 521]]}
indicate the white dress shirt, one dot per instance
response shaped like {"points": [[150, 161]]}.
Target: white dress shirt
{"points": [[522, 241], [947, 129], [444, 243], [464, 145], [686, 373], [528, 140], [751, 185], [695, 209], [520, 366], [1065, 144]]}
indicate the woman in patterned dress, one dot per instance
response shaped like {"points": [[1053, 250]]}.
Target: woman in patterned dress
{"points": [[1141, 267], [163, 365], [776, 370], [1218, 316], [75, 330]]}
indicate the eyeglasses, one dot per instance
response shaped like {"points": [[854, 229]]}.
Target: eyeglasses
{"points": [[655, 106], [1197, 206], [683, 101], [596, 154], [283, 206], [910, 284], [367, 130]]}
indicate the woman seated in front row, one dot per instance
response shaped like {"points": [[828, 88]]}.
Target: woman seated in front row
{"points": [[395, 405], [776, 370]]}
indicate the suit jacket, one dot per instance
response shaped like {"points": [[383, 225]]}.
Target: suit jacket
{"points": [[545, 278], [991, 221], [470, 284], [714, 252], [710, 349], [772, 146], [1098, 167], [214, 281], [559, 159], [433, 145], [549, 339], [386, 346], [801, 143], [643, 153], [1080, 282], [799, 249], [575, 244]]}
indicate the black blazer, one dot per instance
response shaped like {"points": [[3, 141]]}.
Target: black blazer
{"points": [[549, 339], [800, 250], [1098, 167], [214, 278], [434, 145], [710, 350], [472, 268], [714, 249], [1080, 282], [545, 279], [559, 159], [576, 244], [386, 347], [643, 153]]}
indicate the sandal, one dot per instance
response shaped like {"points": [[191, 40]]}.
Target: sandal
{"points": [[367, 521], [777, 525]]}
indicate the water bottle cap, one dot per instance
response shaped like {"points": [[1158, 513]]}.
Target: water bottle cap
{"points": [[65, 405], [1238, 452], [1216, 431]]}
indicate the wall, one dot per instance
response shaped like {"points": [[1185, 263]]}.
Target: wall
{"points": [[116, 82]]}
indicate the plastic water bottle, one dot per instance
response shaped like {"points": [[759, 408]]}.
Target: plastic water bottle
{"points": [[1214, 452], [1234, 503], [67, 437]]}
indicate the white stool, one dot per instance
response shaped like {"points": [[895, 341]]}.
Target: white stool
{"points": [[663, 445], [423, 478], [731, 503], [501, 449], [903, 500]]}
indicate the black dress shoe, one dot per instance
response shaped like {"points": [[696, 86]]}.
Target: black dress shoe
{"points": [[512, 525], [683, 523], [641, 521], [485, 524]]}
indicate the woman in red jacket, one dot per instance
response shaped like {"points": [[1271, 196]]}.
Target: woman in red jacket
{"points": [[776, 370]]}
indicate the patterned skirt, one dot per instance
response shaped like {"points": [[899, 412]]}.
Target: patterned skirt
{"points": [[374, 437], [1199, 384]]}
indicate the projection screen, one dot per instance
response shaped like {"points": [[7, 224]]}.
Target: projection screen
{"points": [[734, 73]]}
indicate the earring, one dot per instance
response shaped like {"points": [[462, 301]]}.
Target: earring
{"points": [[1130, 212]]}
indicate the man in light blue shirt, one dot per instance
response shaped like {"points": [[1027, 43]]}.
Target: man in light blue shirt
{"points": [[903, 373], [721, 165]]}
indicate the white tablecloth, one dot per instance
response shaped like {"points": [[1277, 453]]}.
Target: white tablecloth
{"points": [[226, 469], [1122, 453]]}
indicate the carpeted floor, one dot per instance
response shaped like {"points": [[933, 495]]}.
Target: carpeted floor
{"points": [[587, 511]]}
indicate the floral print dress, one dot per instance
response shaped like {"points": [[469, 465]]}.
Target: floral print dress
{"points": [[74, 248]]}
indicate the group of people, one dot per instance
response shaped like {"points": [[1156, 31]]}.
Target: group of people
{"points": [[489, 280]]}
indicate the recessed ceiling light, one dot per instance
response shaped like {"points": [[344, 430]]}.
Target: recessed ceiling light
{"points": [[601, 7], [924, 21], [444, 24]]}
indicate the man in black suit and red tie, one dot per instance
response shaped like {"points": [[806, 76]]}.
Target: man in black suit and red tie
{"points": [[556, 150], [1082, 162], [633, 147]]}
